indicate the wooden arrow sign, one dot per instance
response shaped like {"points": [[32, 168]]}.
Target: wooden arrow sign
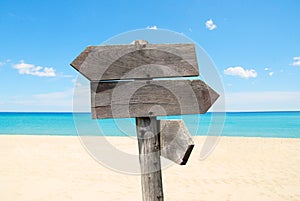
{"points": [[142, 98], [116, 62], [122, 86], [175, 141]]}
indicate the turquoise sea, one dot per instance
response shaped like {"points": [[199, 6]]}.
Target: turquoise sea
{"points": [[248, 124]]}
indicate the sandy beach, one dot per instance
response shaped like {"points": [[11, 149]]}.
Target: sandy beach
{"points": [[47, 168]]}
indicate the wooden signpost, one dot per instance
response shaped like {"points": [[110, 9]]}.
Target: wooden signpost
{"points": [[122, 86]]}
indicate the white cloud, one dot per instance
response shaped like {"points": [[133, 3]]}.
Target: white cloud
{"points": [[240, 72], [267, 69], [31, 69], [2, 63], [296, 61], [152, 27], [210, 25], [271, 74]]}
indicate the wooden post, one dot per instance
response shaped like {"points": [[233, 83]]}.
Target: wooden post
{"points": [[149, 155]]}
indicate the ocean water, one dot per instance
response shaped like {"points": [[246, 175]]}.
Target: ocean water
{"points": [[245, 124]]}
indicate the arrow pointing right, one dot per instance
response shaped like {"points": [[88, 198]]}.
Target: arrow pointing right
{"points": [[142, 98]]}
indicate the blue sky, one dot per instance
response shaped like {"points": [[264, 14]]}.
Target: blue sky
{"points": [[255, 46]]}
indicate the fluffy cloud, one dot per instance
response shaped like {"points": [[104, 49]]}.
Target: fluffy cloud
{"points": [[152, 27], [271, 74], [210, 25], [296, 61], [240, 72], [31, 69]]}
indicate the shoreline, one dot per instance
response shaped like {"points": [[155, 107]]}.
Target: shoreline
{"points": [[115, 136], [209, 112], [59, 168]]}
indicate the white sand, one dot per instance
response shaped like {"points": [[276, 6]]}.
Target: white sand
{"points": [[42, 168]]}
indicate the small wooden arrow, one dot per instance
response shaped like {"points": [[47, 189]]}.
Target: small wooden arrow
{"points": [[175, 141]]}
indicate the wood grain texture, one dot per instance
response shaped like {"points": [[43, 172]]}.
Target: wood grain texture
{"points": [[123, 62], [149, 155], [141, 98], [176, 142]]}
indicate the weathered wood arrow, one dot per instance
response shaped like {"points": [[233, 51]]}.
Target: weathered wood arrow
{"points": [[116, 62], [175, 141], [142, 98]]}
